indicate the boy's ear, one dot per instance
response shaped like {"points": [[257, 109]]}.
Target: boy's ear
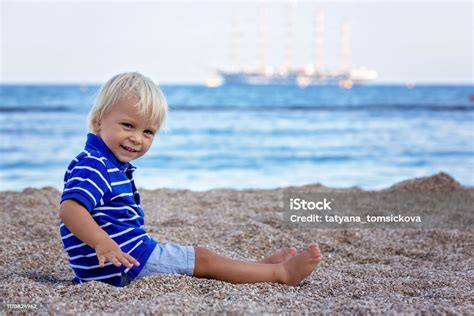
{"points": [[96, 124]]}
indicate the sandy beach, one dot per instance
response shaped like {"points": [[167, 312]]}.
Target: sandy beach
{"points": [[363, 271]]}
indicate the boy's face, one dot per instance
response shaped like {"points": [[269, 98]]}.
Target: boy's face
{"points": [[127, 134]]}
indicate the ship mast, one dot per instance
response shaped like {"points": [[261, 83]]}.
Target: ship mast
{"points": [[345, 47], [290, 36], [318, 43], [236, 36]]}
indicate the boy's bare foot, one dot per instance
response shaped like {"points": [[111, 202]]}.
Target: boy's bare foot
{"points": [[300, 266], [279, 256]]}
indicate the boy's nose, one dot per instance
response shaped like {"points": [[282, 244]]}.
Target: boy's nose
{"points": [[136, 139]]}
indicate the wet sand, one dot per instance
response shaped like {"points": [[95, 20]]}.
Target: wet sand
{"points": [[363, 270]]}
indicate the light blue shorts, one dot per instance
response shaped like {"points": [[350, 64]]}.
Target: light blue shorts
{"points": [[166, 259]]}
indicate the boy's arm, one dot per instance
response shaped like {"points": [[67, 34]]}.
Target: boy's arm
{"points": [[78, 220]]}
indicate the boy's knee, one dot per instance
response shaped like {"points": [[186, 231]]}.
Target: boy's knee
{"points": [[202, 255]]}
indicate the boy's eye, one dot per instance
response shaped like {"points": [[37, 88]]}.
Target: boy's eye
{"points": [[149, 132], [127, 125]]}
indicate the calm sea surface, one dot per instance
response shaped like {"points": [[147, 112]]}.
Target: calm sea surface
{"points": [[254, 137]]}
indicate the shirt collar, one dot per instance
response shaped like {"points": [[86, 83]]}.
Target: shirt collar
{"points": [[95, 142]]}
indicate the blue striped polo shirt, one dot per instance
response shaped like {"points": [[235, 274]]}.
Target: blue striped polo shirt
{"points": [[105, 187]]}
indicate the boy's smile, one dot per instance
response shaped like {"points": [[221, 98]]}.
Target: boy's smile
{"points": [[125, 132]]}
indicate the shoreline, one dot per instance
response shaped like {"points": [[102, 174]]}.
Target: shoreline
{"points": [[438, 181], [363, 270]]}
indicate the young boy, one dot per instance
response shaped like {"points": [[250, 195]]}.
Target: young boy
{"points": [[101, 217]]}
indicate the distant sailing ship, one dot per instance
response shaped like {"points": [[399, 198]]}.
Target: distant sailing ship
{"points": [[315, 74]]}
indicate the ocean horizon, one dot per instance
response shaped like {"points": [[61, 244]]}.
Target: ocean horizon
{"points": [[254, 136]]}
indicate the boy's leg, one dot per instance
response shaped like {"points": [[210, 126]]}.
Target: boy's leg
{"points": [[211, 265], [279, 256]]}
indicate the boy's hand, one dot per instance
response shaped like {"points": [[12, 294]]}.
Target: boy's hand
{"points": [[108, 250]]}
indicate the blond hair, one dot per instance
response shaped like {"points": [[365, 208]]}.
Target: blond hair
{"points": [[151, 101]]}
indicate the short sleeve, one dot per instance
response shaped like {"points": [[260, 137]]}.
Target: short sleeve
{"points": [[87, 182]]}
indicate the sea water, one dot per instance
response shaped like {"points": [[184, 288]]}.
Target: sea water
{"points": [[254, 136]]}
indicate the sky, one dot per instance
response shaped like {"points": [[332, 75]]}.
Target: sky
{"points": [[185, 42]]}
